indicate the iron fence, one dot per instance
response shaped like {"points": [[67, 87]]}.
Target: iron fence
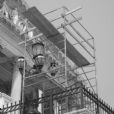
{"points": [[60, 102]]}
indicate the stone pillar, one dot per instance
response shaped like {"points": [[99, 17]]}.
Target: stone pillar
{"points": [[16, 84]]}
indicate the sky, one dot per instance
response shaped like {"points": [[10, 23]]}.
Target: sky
{"points": [[98, 18]]}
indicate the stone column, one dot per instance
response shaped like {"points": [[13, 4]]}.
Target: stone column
{"points": [[16, 84]]}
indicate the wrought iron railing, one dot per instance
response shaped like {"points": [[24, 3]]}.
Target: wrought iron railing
{"points": [[59, 102], [96, 104]]}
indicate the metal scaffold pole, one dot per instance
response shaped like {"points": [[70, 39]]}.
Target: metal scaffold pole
{"points": [[65, 47], [95, 66], [65, 60]]}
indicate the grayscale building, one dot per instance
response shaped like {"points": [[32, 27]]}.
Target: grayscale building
{"points": [[47, 62]]}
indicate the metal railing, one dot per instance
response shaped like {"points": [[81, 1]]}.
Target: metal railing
{"points": [[59, 102]]}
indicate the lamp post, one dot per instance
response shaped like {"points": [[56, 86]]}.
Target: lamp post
{"points": [[20, 63], [38, 55]]}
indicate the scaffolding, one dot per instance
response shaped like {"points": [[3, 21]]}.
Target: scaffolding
{"points": [[74, 72], [74, 33], [72, 30]]}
